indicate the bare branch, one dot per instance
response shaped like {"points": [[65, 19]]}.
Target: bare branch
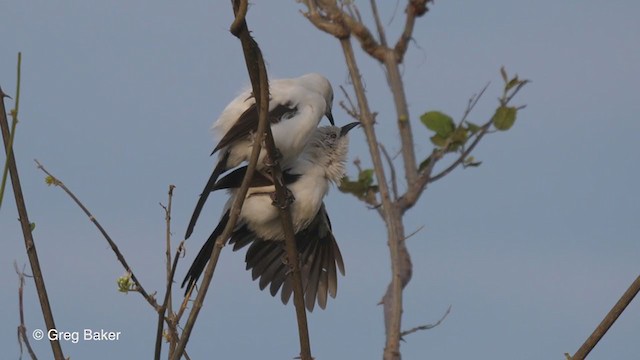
{"points": [[379, 27], [166, 303], [22, 328], [392, 169], [402, 112], [415, 8], [14, 123], [139, 288], [336, 22], [608, 320], [351, 109], [400, 260], [26, 231]]}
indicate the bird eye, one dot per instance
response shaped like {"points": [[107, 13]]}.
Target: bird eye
{"points": [[333, 135]]}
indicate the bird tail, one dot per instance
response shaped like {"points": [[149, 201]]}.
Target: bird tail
{"points": [[201, 260], [221, 166], [319, 258]]}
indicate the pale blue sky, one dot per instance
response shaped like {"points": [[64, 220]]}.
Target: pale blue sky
{"points": [[531, 249]]}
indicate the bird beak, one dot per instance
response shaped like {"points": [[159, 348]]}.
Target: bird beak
{"points": [[345, 129], [330, 117]]}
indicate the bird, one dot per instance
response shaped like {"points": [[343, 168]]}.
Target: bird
{"points": [[308, 178], [296, 107]]}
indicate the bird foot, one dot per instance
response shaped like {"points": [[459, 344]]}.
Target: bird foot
{"points": [[282, 203], [271, 162]]}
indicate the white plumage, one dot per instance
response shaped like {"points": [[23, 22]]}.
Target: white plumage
{"points": [[296, 106], [308, 179]]}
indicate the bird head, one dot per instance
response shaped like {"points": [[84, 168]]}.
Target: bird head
{"points": [[320, 84], [330, 145]]}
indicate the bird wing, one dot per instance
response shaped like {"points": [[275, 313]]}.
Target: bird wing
{"points": [[231, 181], [247, 123], [219, 169], [234, 179]]}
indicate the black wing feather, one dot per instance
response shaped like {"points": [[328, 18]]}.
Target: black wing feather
{"points": [[201, 260], [248, 123]]}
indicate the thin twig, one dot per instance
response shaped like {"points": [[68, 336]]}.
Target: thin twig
{"points": [[479, 135], [139, 288], [414, 191], [12, 133], [608, 320], [166, 304], [379, 27], [473, 101], [351, 109], [26, 232], [427, 326], [22, 328], [414, 232], [175, 319], [392, 169], [415, 8]]}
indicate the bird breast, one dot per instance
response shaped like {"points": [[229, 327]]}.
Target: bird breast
{"points": [[263, 218]]}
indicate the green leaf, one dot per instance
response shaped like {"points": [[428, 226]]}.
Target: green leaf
{"points": [[366, 177], [504, 117], [471, 161], [423, 165], [440, 123], [473, 128], [503, 72], [32, 226], [513, 82], [438, 140], [361, 187], [459, 136]]}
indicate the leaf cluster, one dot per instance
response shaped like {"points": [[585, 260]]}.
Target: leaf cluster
{"points": [[363, 187]]}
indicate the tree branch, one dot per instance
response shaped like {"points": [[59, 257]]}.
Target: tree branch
{"points": [[22, 328], [392, 169], [258, 74], [400, 263], [379, 27], [26, 231], [166, 303], [332, 20], [14, 123], [259, 81], [402, 112], [415, 189], [415, 8], [608, 320], [139, 288]]}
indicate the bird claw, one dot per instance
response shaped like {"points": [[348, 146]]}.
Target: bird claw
{"points": [[271, 162], [284, 203]]}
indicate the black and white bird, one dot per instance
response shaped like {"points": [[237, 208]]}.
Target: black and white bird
{"points": [[296, 107], [308, 178]]}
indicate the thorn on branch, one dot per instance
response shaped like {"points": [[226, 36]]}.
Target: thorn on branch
{"points": [[425, 327]]}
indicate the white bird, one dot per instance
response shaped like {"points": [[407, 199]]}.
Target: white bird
{"points": [[296, 106], [321, 162]]}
